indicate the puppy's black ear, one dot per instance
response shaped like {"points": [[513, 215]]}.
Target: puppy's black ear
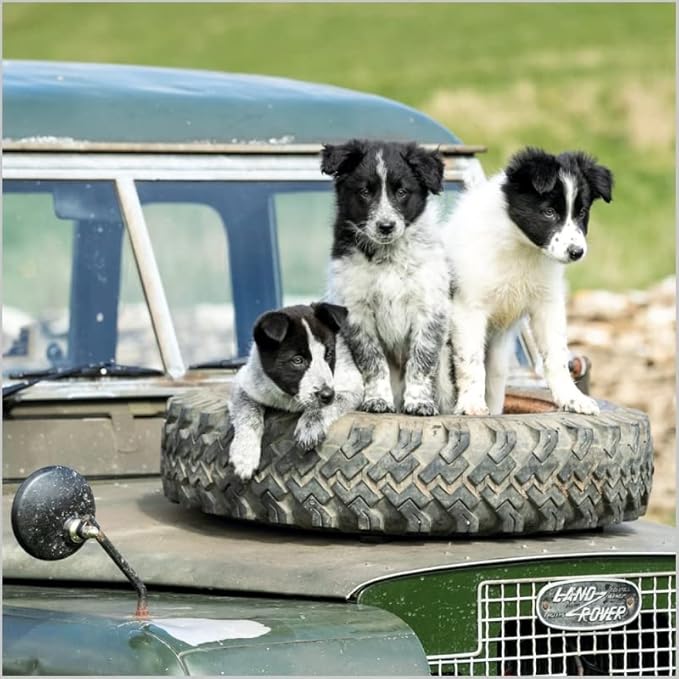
{"points": [[331, 315], [533, 168], [427, 165], [340, 159], [270, 329], [599, 177]]}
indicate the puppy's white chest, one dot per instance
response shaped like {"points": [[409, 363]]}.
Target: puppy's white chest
{"points": [[513, 295], [510, 302], [391, 294], [395, 285], [388, 292]]}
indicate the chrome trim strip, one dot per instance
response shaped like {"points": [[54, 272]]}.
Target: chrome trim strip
{"points": [[185, 174], [186, 167], [63, 144], [152, 284], [495, 562]]}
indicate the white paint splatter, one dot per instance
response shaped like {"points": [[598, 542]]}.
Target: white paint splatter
{"points": [[196, 631]]}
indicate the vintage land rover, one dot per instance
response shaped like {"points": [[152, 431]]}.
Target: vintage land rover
{"points": [[149, 216]]}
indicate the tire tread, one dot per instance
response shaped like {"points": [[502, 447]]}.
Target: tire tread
{"points": [[397, 475]]}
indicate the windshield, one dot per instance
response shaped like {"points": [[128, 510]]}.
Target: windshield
{"points": [[71, 290], [227, 251]]}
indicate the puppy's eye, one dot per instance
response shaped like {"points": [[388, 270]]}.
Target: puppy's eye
{"points": [[329, 356], [298, 361], [582, 213], [364, 192], [402, 193], [550, 213]]}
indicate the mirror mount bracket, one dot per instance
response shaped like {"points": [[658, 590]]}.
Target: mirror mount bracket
{"points": [[53, 516], [81, 529]]}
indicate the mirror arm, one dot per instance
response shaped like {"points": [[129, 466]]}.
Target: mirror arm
{"points": [[80, 530]]}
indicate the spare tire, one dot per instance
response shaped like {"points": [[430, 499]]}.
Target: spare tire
{"points": [[522, 472]]}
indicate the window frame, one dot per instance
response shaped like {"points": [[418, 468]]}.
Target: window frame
{"points": [[124, 170]]}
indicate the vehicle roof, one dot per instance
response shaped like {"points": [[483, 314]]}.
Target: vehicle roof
{"points": [[172, 546], [117, 103]]}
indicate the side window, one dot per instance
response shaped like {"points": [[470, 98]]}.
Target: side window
{"points": [[62, 245], [36, 278]]}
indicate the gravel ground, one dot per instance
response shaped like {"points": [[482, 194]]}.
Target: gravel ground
{"points": [[630, 338]]}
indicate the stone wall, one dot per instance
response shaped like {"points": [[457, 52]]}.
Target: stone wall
{"points": [[630, 338]]}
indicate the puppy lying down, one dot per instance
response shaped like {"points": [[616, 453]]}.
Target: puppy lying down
{"points": [[298, 363]]}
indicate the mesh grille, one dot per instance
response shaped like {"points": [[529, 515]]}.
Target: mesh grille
{"points": [[513, 641]]}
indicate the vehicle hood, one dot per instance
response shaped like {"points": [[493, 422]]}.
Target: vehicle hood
{"points": [[172, 546]]}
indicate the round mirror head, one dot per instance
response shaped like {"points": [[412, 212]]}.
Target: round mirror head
{"points": [[44, 502]]}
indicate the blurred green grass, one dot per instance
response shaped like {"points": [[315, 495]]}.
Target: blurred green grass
{"points": [[593, 76]]}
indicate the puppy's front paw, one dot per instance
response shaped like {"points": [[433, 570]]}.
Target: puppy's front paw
{"points": [[244, 457], [420, 408], [310, 431], [579, 403], [471, 406], [377, 405]]}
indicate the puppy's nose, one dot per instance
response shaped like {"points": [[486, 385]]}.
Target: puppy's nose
{"points": [[575, 252], [326, 395], [386, 227]]}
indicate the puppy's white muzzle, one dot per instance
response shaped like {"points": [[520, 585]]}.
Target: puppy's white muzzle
{"points": [[568, 244]]}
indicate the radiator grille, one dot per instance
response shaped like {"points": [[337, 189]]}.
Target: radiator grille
{"points": [[513, 641]]}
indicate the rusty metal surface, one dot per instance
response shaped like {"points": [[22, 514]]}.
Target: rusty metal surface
{"points": [[168, 545], [518, 403]]}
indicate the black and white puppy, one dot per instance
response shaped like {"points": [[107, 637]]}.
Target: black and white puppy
{"points": [[388, 267], [508, 240], [298, 363]]}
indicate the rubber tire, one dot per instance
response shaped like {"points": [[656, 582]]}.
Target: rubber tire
{"points": [[401, 475]]}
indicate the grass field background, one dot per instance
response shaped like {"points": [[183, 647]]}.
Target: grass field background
{"points": [[596, 76]]}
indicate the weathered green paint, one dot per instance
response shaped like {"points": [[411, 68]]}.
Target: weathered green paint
{"points": [[442, 607], [92, 631], [118, 103]]}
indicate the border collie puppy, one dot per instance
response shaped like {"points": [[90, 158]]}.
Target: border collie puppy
{"points": [[388, 267], [298, 363], [509, 240]]}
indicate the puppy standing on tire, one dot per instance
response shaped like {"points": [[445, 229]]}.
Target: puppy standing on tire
{"points": [[508, 241], [388, 267], [298, 363]]}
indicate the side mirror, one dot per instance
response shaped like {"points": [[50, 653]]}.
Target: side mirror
{"points": [[53, 515]]}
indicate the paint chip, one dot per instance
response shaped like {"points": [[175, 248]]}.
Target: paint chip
{"points": [[196, 631]]}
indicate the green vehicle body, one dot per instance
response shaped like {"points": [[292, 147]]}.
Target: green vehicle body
{"points": [[230, 635], [232, 597]]}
